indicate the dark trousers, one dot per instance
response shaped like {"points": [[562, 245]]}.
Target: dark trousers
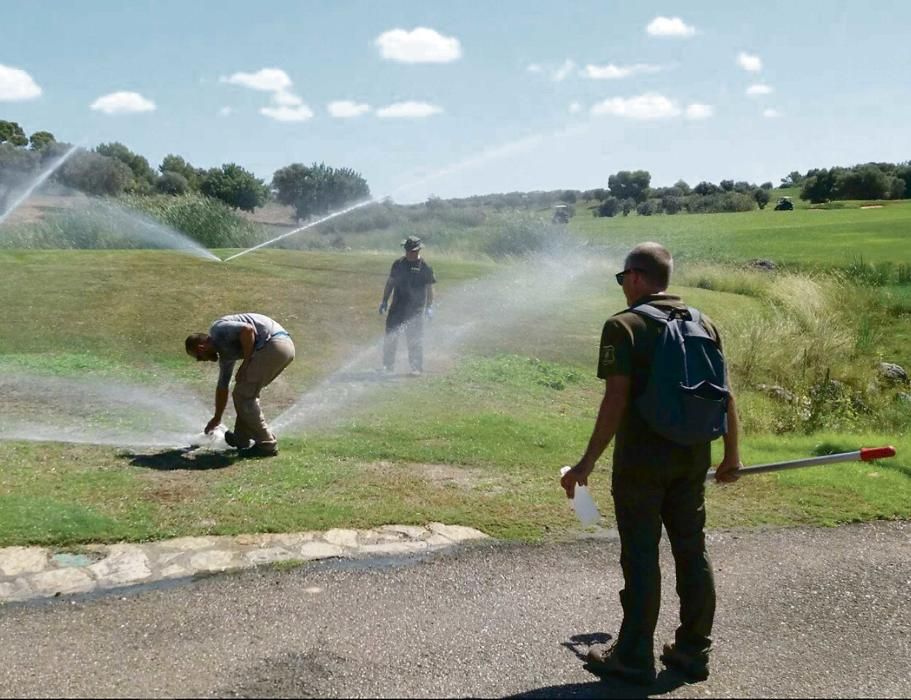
{"points": [[413, 328], [643, 499]]}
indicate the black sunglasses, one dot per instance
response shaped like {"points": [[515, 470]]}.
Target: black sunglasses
{"points": [[620, 275]]}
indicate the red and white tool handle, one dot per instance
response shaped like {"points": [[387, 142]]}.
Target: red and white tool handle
{"points": [[866, 454]]}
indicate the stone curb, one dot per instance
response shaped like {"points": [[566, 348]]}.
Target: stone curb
{"points": [[28, 573]]}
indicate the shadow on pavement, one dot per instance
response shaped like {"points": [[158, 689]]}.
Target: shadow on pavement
{"points": [[607, 686], [172, 460]]}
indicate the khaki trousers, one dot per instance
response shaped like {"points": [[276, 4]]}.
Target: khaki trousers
{"points": [[265, 365]]}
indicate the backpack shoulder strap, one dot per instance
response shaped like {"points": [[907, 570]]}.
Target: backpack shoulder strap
{"points": [[649, 311]]}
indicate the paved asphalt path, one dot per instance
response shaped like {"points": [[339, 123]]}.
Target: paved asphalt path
{"points": [[802, 612]]}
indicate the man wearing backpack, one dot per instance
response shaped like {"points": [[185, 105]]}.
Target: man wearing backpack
{"points": [[664, 377]]}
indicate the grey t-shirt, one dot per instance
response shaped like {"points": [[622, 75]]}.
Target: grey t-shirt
{"points": [[225, 334]]}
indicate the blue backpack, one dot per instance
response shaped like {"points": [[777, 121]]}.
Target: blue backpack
{"points": [[686, 397]]}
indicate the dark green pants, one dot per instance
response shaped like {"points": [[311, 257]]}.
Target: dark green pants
{"points": [[644, 498]]}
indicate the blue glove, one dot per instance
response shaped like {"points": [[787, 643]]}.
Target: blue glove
{"points": [[383, 307]]}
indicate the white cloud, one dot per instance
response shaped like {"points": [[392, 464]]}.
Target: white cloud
{"points": [[562, 73], [699, 111], [759, 89], [346, 109], [300, 113], [535, 68], [771, 113], [408, 110], [644, 107], [614, 72], [420, 45], [16, 85], [575, 108], [266, 80], [225, 112], [283, 98], [749, 62], [670, 26], [123, 103]]}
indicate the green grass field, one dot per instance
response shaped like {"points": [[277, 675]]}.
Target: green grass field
{"points": [[479, 440], [803, 237]]}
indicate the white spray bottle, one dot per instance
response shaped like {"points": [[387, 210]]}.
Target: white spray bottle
{"points": [[582, 503]]}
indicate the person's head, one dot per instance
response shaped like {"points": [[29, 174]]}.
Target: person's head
{"points": [[412, 246], [200, 346], [647, 270]]}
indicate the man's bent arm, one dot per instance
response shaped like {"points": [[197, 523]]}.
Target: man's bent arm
{"points": [[429, 301]]}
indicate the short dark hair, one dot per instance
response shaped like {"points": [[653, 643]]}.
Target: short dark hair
{"points": [[193, 341], [654, 261]]}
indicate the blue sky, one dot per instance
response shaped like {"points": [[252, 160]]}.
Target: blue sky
{"points": [[498, 96]]}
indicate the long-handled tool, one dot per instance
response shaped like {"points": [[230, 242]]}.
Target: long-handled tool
{"points": [[867, 454]]}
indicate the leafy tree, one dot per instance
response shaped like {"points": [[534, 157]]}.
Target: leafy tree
{"points": [[726, 185], [684, 188], [609, 207], [93, 173], [319, 189], [599, 194], [646, 208], [569, 197], [143, 175], [236, 187], [705, 188], [864, 182], [762, 197], [172, 183], [630, 185], [12, 133], [627, 205], [40, 140], [793, 179], [672, 204], [767, 185], [176, 164]]}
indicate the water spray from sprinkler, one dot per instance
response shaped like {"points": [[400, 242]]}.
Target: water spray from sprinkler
{"points": [[40, 180]]}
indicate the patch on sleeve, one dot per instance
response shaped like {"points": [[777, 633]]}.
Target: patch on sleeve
{"points": [[608, 356]]}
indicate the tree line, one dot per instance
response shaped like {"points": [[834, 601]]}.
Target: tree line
{"points": [[112, 169], [864, 181]]}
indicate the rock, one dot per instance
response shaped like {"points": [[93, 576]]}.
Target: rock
{"points": [[893, 373], [61, 582], [126, 564], [762, 265], [15, 561]]}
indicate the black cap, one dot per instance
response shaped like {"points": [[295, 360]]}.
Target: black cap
{"points": [[412, 243]]}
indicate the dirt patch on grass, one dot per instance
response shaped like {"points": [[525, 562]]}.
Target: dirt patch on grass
{"points": [[440, 475], [168, 488]]}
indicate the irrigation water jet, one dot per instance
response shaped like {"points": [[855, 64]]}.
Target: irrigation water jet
{"points": [[40, 180], [98, 410], [469, 313], [341, 212]]}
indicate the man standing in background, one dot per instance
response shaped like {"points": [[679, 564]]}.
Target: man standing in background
{"points": [[410, 283]]}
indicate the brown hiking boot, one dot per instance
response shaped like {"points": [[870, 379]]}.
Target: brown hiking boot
{"points": [[693, 665], [604, 660]]}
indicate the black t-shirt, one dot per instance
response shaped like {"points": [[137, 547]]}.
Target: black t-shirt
{"points": [[410, 280], [628, 344]]}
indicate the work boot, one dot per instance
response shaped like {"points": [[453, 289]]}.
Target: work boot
{"points": [[605, 660], [260, 450], [233, 441], [416, 373], [693, 665]]}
